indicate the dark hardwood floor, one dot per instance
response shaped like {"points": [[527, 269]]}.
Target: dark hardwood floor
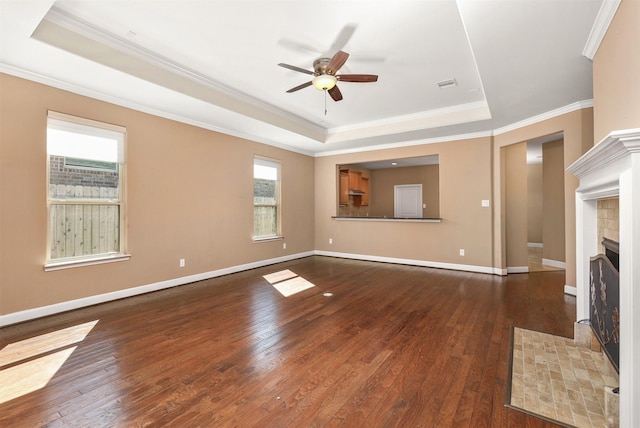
{"points": [[395, 346]]}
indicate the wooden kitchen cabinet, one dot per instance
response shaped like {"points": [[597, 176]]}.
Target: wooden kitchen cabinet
{"points": [[355, 180], [364, 184], [344, 187], [350, 182]]}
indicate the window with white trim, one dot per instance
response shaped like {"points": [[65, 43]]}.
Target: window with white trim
{"points": [[85, 189], [266, 198]]}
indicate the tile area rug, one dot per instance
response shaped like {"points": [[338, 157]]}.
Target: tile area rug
{"points": [[553, 379]]}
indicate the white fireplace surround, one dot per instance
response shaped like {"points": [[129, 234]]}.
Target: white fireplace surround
{"points": [[612, 168]]}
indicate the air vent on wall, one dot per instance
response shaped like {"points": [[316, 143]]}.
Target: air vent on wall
{"points": [[449, 83]]}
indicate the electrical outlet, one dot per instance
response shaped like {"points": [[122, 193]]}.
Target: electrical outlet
{"points": [[330, 241], [182, 262], [462, 251], [284, 245]]}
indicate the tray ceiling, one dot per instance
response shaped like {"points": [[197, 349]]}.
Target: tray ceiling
{"points": [[214, 63]]}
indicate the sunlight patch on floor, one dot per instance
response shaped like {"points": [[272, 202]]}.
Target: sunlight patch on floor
{"points": [[280, 276], [287, 282], [44, 343], [31, 374]]}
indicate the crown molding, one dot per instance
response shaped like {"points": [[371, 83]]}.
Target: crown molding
{"points": [[607, 11], [514, 126], [579, 105], [45, 80], [100, 96]]}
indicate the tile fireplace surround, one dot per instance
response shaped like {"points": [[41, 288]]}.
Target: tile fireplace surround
{"points": [[612, 168]]}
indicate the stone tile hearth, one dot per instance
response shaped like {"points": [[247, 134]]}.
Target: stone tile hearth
{"points": [[554, 378]]}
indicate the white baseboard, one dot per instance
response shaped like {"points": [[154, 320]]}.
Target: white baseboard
{"points": [[554, 263], [499, 271], [412, 262], [517, 269], [569, 289], [30, 314], [535, 244]]}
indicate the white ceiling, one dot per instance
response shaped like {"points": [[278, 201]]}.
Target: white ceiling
{"points": [[214, 63]]}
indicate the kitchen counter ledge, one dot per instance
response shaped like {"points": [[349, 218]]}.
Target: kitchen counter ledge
{"points": [[396, 219]]}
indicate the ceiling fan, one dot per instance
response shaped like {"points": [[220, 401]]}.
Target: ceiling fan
{"points": [[325, 77]]}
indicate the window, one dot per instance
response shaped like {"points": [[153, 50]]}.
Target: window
{"points": [[266, 198], [85, 191]]}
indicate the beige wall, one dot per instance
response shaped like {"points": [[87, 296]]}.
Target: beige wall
{"points": [[383, 182], [534, 203], [516, 204], [553, 227], [577, 127], [186, 200], [180, 203], [465, 179], [188, 195], [616, 67]]}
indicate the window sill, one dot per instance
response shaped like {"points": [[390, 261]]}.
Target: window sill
{"points": [[267, 238], [70, 264]]}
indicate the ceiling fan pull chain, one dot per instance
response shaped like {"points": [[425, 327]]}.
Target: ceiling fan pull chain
{"points": [[325, 102]]}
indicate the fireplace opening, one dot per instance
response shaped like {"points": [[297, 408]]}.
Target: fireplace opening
{"points": [[604, 300], [612, 251]]}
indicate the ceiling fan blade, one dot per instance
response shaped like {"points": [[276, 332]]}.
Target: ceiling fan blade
{"points": [[335, 93], [343, 38], [294, 68], [357, 77], [297, 88], [336, 62], [299, 46]]}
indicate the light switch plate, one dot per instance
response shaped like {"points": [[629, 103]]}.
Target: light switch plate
{"points": [[485, 202]]}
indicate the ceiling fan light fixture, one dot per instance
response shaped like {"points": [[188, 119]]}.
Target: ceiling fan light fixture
{"points": [[324, 82]]}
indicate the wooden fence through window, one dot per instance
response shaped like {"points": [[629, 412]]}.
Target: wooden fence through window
{"points": [[265, 216], [87, 227]]}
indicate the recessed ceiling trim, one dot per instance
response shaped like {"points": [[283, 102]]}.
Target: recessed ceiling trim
{"points": [[463, 113], [94, 44], [434, 140]]}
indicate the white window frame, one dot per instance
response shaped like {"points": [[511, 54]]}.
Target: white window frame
{"points": [[273, 163], [61, 121]]}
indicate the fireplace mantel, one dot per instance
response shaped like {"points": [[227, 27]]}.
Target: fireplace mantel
{"points": [[599, 169], [612, 168]]}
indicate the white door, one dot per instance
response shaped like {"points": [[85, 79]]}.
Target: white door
{"points": [[408, 200]]}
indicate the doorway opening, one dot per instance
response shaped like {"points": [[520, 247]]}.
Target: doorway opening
{"points": [[545, 203]]}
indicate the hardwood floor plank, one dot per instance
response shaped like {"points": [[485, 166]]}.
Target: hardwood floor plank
{"points": [[395, 346]]}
